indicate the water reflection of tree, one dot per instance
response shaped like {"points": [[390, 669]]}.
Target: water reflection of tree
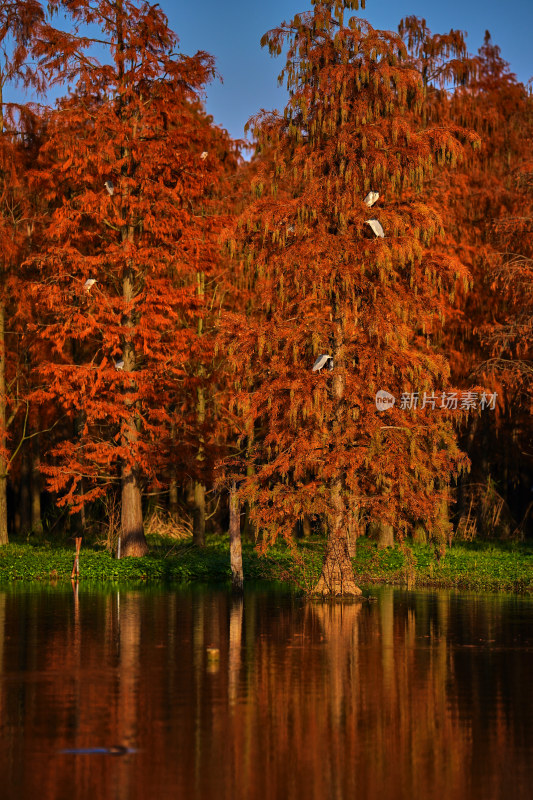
{"points": [[397, 698]]}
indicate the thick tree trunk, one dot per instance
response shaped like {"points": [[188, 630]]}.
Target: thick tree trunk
{"points": [[385, 534], [235, 546], [198, 529], [352, 530], [337, 578], [132, 539], [3, 438], [36, 520], [381, 532]]}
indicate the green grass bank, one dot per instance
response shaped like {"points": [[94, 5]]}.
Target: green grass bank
{"points": [[476, 566]]}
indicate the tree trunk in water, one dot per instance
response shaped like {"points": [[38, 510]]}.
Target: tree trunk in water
{"points": [[36, 520], [235, 548], [3, 438], [132, 539], [198, 528], [337, 578]]}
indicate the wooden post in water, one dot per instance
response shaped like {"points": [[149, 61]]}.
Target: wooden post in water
{"points": [[76, 568], [235, 545]]}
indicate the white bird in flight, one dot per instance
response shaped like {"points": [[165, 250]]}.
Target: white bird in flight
{"points": [[376, 227], [322, 361], [110, 188], [88, 283], [371, 198]]}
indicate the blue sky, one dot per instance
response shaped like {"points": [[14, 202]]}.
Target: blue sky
{"points": [[231, 31]]}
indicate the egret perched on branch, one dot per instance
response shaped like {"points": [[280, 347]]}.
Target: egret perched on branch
{"points": [[204, 155], [119, 365], [371, 198], [322, 361], [88, 283], [110, 188], [376, 227]]}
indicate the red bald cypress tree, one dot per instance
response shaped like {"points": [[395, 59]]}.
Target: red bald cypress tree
{"points": [[126, 167], [327, 283], [20, 23], [486, 208]]}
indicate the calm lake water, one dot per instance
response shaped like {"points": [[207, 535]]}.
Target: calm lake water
{"points": [[415, 695]]}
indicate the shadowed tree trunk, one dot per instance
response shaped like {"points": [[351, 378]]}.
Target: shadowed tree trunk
{"points": [[36, 520], [198, 530], [24, 491], [381, 532], [235, 547], [173, 497], [385, 534], [133, 541]]}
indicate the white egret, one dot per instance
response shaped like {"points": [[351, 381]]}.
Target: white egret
{"points": [[376, 227], [371, 198], [322, 361]]}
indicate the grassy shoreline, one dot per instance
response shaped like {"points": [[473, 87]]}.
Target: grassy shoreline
{"points": [[477, 566]]}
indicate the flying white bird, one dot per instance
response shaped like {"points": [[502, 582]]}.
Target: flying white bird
{"points": [[376, 227], [88, 283], [204, 155], [119, 365], [110, 188], [371, 198], [322, 361]]}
